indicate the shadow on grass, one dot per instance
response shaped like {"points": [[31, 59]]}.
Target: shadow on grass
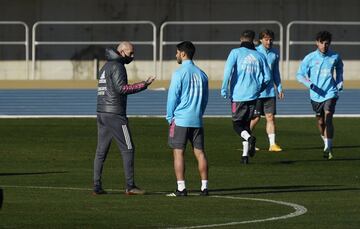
{"points": [[318, 160], [268, 190], [321, 148], [281, 189], [31, 173]]}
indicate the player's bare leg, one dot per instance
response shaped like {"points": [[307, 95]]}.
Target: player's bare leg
{"points": [[270, 130], [326, 128], [179, 168], [321, 124], [202, 163], [329, 127], [270, 123], [321, 127], [254, 122], [329, 134], [203, 170], [179, 164]]}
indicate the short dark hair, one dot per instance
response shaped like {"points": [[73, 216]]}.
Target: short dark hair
{"points": [[187, 47], [323, 36], [266, 32], [248, 35]]}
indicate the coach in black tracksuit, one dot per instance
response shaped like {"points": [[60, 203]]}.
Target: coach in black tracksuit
{"points": [[112, 122]]}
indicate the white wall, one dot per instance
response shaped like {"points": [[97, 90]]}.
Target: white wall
{"points": [[137, 70]]}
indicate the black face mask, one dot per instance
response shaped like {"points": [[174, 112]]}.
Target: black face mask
{"points": [[127, 59]]}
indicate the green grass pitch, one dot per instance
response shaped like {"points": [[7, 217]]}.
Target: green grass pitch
{"points": [[46, 177]]}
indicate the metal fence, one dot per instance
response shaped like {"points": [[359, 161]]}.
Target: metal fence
{"points": [[23, 42], [35, 42], [164, 42], [290, 42]]}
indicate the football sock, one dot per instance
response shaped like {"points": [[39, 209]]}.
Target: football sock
{"points": [[271, 139], [204, 184], [245, 135], [245, 149], [328, 143], [325, 143], [181, 185], [322, 137]]}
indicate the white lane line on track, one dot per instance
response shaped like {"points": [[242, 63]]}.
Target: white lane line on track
{"points": [[299, 209]]}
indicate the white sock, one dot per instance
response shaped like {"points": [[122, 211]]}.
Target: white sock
{"points": [[322, 137], [245, 135], [181, 185], [204, 184], [326, 146], [271, 139], [328, 143], [245, 149]]}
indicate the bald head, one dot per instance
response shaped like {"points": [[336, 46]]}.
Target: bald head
{"points": [[126, 50], [125, 45]]}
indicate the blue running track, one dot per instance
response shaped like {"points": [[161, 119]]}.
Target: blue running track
{"points": [[149, 103]]}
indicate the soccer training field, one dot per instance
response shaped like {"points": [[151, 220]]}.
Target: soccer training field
{"points": [[46, 177]]}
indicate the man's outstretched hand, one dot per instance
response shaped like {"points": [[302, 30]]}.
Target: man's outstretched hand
{"points": [[150, 80]]}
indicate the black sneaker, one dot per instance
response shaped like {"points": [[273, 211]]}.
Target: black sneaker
{"points": [[252, 142], [98, 191], [178, 193], [245, 160], [204, 192]]}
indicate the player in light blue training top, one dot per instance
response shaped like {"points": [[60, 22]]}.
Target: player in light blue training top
{"points": [[266, 103], [186, 103], [316, 72], [246, 75]]}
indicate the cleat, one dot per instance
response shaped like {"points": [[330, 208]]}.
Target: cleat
{"points": [[328, 154], [257, 149], [275, 148], [204, 192], [252, 142], [98, 191], [178, 193], [134, 191], [245, 160]]}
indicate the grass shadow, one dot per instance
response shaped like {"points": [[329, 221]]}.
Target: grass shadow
{"points": [[289, 162], [281, 189], [321, 148], [31, 173]]}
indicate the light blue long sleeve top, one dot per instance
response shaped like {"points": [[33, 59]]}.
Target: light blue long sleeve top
{"points": [[272, 58], [187, 96], [316, 72], [246, 74]]}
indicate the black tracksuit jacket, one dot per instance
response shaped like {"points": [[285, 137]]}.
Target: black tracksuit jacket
{"points": [[113, 86]]}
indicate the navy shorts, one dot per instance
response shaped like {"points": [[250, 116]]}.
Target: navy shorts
{"points": [[265, 106], [243, 111], [327, 105], [178, 137]]}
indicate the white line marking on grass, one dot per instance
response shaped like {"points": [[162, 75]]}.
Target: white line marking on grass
{"points": [[299, 209]]}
